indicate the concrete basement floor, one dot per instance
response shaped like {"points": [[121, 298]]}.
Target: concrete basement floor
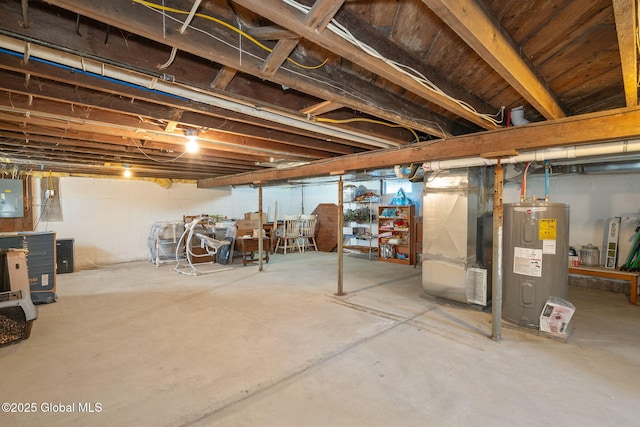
{"points": [[146, 346]]}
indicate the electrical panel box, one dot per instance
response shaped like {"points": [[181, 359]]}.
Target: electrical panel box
{"points": [[11, 198]]}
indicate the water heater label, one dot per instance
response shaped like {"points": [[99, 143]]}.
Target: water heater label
{"points": [[549, 247], [527, 261], [548, 229]]}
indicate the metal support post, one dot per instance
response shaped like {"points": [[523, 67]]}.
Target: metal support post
{"points": [[496, 282]]}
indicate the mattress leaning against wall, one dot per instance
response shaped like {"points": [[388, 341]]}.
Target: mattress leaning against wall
{"points": [[41, 261]]}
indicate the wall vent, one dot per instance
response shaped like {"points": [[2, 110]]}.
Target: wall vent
{"points": [[476, 286]]}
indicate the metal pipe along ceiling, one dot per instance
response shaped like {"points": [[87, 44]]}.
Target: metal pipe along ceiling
{"points": [[602, 149]]}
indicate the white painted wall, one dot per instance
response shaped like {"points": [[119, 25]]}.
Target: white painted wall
{"points": [[110, 219], [593, 199]]}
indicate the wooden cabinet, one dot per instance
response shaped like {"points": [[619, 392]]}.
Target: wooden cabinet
{"points": [[396, 241]]}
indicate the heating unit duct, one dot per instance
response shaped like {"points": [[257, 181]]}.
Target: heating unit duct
{"points": [[458, 235]]}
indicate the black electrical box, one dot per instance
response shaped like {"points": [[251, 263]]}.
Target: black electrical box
{"points": [[64, 256]]}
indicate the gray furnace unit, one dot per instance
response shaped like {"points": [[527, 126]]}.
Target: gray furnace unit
{"points": [[458, 235], [536, 249]]}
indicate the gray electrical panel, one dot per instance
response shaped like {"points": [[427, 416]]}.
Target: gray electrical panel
{"points": [[11, 198], [536, 256]]}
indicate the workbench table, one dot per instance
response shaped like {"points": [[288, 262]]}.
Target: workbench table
{"points": [[607, 273]]}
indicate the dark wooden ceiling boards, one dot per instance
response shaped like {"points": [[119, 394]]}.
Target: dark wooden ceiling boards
{"points": [[559, 59]]}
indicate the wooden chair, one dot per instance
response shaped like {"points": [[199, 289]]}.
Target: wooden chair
{"points": [[289, 235], [308, 231]]}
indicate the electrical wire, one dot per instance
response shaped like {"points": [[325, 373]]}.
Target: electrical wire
{"points": [[356, 95], [228, 26], [44, 208], [378, 122], [345, 34], [151, 158], [331, 84]]}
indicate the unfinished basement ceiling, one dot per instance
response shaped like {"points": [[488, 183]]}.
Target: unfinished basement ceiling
{"points": [[93, 86]]}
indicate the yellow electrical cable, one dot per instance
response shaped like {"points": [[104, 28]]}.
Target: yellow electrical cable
{"points": [[378, 122], [230, 27]]}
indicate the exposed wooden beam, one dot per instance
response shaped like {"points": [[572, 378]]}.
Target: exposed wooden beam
{"points": [[318, 18], [278, 55], [241, 134], [54, 115], [625, 12], [223, 78], [114, 145], [137, 19], [281, 14], [480, 31], [140, 101], [270, 32], [321, 108], [589, 128], [171, 126]]}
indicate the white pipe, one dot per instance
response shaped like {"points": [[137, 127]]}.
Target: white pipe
{"points": [[191, 93], [517, 116], [602, 149]]}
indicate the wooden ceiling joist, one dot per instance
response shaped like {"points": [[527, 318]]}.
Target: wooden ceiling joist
{"points": [[471, 22], [139, 20], [626, 14], [279, 13], [589, 128]]}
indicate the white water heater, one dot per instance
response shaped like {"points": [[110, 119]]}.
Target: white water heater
{"points": [[535, 259]]}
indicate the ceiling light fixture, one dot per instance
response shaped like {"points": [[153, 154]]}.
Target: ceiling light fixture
{"points": [[127, 171], [192, 136]]}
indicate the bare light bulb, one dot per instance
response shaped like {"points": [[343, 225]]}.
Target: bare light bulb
{"points": [[192, 145], [127, 173]]}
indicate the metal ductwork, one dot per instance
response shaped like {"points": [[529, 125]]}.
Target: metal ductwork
{"points": [[458, 235]]}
